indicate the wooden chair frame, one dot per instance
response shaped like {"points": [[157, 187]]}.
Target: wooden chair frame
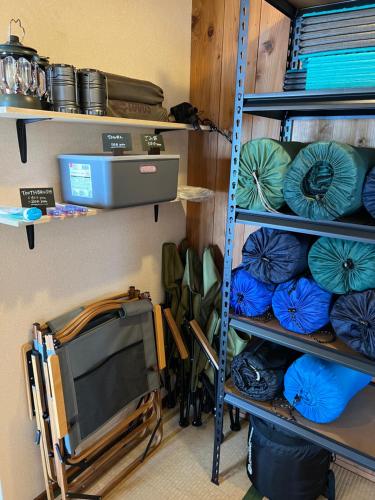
{"points": [[72, 475]]}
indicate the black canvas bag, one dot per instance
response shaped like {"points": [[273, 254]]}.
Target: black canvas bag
{"points": [[283, 466]]}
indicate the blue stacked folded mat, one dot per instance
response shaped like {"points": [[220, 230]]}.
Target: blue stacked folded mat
{"points": [[336, 48], [308, 286], [340, 69]]}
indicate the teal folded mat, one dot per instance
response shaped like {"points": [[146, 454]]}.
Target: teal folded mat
{"points": [[324, 181], [263, 165], [346, 68], [341, 266]]}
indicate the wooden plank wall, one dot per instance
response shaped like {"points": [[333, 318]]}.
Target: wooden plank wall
{"points": [[213, 66]]}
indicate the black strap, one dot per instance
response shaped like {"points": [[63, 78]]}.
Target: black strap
{"points": [[331, 485]]}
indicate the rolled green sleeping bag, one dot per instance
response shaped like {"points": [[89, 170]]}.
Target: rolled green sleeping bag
{"points": [[342, 266], [325, 180], [263, 165]]}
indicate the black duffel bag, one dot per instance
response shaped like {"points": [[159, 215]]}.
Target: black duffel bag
{"points": [[283, 466]]}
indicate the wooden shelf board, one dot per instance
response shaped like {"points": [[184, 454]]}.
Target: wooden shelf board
{"points": [[46, 219], [35, 114]]}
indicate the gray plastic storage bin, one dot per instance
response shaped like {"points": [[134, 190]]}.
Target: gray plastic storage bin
{"points": [[105, 181]]}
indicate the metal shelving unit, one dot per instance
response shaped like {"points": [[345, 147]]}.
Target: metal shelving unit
{"points": [[336, 351], [362, 229], [339, 436]]}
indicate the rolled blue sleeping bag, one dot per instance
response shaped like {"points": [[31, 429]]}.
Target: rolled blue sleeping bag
{"points": [[248, 296], [341, 266], [274, 256], [301, 306], [353, 319], [368, 195], [320, 389]]}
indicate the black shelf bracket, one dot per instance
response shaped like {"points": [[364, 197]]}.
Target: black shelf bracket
{"points": [[22, 136], [156, 213], [30, 233]]}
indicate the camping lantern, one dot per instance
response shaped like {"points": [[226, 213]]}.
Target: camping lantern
{"points": [[22, 76]]}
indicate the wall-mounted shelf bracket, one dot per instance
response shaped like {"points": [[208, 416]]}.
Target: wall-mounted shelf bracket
{"points": [[30, 232], [156, 213], [21, 134]]}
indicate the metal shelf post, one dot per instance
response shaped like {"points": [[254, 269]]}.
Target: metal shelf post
{"points": [[229, 238]]}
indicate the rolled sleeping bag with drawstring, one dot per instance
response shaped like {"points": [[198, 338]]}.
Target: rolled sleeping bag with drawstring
{"points": [[342, 266], [260, 373], [319, 389], [262, 168], [301, 305], [274, 256], [368, 195], [248, 296], [325, 180], [353, 319]]}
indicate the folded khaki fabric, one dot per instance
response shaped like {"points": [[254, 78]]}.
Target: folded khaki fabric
{"points": [[137, 110], [131, 89]]}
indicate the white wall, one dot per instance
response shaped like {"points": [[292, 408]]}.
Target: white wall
{"points": [[79, 260]]}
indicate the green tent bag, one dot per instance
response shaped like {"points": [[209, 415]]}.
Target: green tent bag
{"points": [[324, 182], [263, 166]]}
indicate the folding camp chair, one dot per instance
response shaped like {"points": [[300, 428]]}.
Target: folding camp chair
{"points": [[93, 386], [213, 361]]}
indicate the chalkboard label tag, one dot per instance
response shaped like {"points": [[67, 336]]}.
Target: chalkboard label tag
{"points": [[150, 141], [37, 197], [117, 142]]}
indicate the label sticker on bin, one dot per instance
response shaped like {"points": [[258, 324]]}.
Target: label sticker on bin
{"points": [[80, 179]]}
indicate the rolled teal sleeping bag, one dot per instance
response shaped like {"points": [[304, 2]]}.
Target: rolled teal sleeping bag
{"points": [[263, 165], [320, 389], [342, 266], [325, 180]]}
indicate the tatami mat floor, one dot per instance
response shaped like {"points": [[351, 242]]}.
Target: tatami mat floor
{"points": [[181, 469]]}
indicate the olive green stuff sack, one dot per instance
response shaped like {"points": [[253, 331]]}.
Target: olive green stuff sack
{"points": [[263, 166]]}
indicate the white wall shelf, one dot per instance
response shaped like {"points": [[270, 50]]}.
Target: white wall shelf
{"points": [[36, 114], [45, 219], [23, 116]]}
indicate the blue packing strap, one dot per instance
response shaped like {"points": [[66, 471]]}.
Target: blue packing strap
{"points": [[337, 52], [38, 347], [338, 11], [67, 444]]}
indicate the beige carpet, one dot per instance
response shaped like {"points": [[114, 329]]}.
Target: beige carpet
{"points": [[181, 469]]}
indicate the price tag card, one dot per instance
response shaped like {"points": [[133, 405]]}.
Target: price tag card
{"points": [[37, 197], [117, 141], [151, 141]]}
